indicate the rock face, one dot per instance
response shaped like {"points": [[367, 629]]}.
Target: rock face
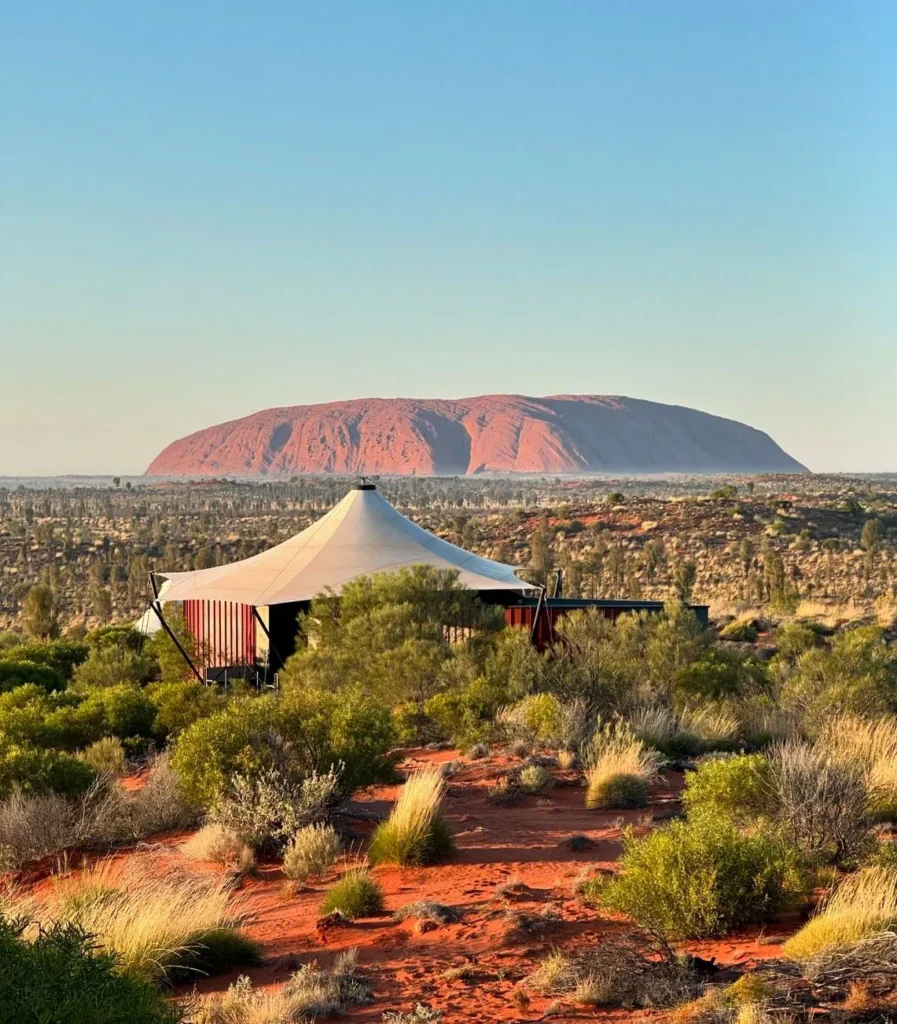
{"points": [[491, 434]]}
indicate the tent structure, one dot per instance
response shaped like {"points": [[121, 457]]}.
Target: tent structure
{"points": [[360, 536]]}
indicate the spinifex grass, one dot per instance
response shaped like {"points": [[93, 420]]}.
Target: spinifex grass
{"points": [[862, 906], [157, 924], [355, 895], [620, 767], [414, 833]]}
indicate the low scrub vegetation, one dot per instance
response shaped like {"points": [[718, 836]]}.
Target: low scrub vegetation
{"points": [[309, 993], [355, 895], [58, 974], [311, 853], [215, 843], [155, 924], [700, 878], [415, 832]]}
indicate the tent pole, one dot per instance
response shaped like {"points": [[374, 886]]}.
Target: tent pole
{"points": [[157, 608]]}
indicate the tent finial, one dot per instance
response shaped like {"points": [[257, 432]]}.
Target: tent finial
{"points": [[363, 485]]}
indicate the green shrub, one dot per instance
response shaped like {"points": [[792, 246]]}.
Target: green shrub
{"points": [[740, 631], [179, 704], [307, 732], [105, 757], [535, 779], [61, 655], [115, 636], [112, 666], [702, 878], [124, 710], [33, 770], [466, 716], [209, 752], [62, 978], [19, 673], [737, 788], [617, 792], [355, 895]]}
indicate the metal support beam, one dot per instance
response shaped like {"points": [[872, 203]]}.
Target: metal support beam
{"points": [[156, 606]]}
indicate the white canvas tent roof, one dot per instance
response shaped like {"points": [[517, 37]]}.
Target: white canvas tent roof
{"points": [[361, 535]]}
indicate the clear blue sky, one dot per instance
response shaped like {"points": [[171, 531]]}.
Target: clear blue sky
{"points": [[211, 208]]}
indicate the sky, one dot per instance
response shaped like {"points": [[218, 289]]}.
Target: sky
{"points": [[207, 209]]}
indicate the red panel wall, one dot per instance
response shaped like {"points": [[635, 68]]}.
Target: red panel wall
{"points": [[224, 630]]}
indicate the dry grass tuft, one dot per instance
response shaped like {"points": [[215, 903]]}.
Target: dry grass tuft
{"points": [[620, 767], [863, 906], [310, 992], [872, 746], [156, 923], [215, 843], [311, 852], [414, 833]]}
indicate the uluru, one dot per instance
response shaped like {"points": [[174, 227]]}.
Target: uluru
{"points": [[466, 436]]}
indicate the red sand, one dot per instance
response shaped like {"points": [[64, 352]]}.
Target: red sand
{"points": [[525, 843]]}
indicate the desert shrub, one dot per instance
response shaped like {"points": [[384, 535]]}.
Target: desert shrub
{"points": [[179, 704], [872, 747], [427, 910], [156, 924], [213, 842], [763, 722], [61, 655], [37, 825], [657, 726], [504, 792], [419, 1015], [628, 970], [60, 977], [268, 807], [111, 666], [862, 906], [700, 878], [857, 675], [535, 779], [215, 748], [741, 631], [355, 895], [116, 635], [311, 852], [542, 720], [309, 993], [302, 733], [737, 788], [415, 832], [467, 715], [124, 710], [618, 768], [17, 673], [160, 806], [32, 770], [105, 757], [822, 803]]}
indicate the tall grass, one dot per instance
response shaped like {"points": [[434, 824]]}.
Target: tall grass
{"points": [[863, 906], [619, 768], [414, 833], [693, 731], [872, 745], [157, 924]]}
